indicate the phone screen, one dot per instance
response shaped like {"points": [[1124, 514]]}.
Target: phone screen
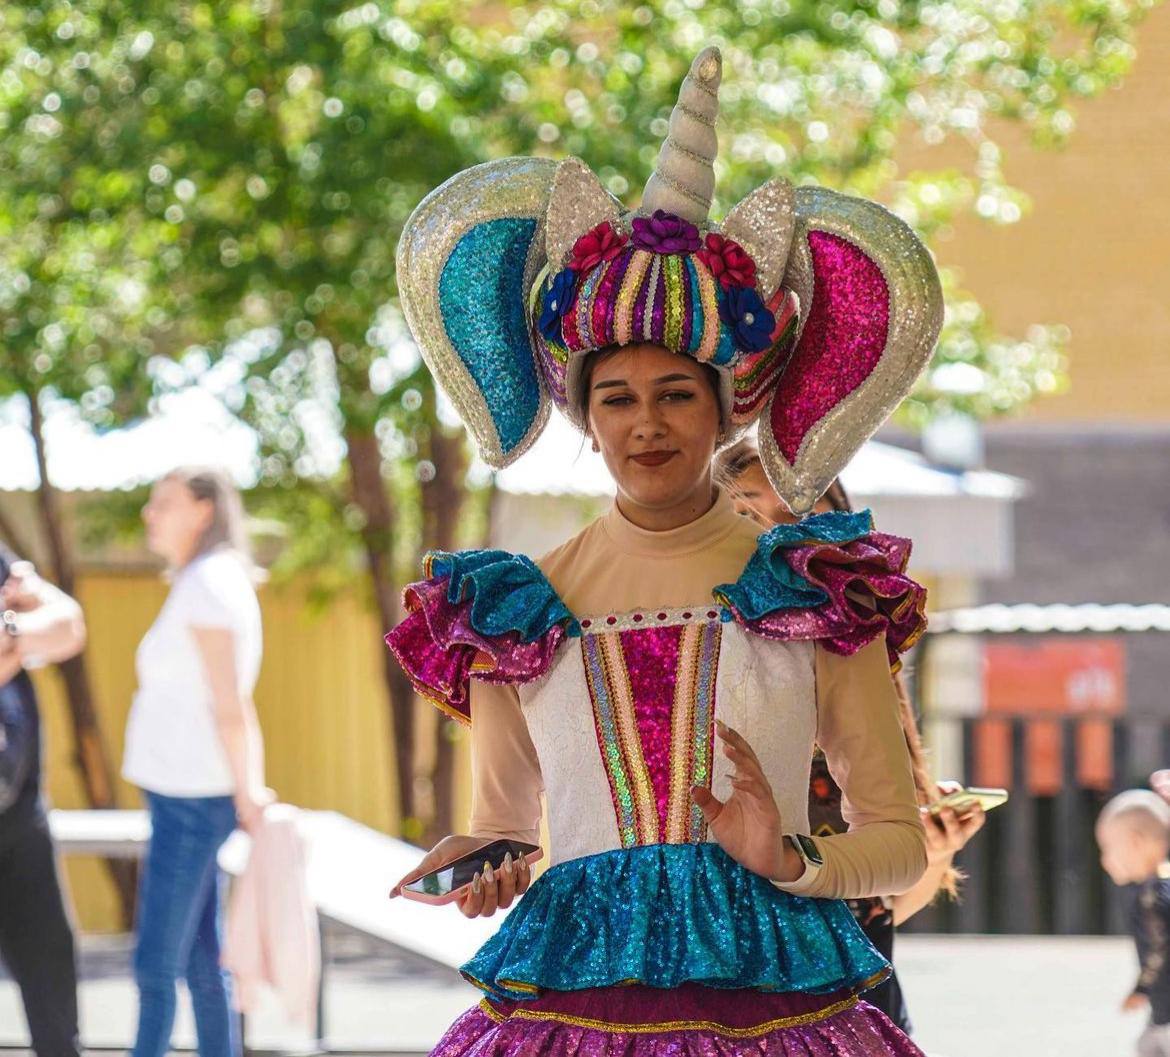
{"points": [[456, 874]]}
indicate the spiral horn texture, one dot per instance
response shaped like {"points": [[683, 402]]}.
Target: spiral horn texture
{"points": [[683, 181]]}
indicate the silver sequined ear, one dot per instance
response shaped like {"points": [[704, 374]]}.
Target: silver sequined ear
{"points": [[577, 203], [468, 256], [763, 224]]}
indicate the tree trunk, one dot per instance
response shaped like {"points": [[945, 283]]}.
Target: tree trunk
{"points": [[369, 493], [442, 503], [90, 755], [16, 541]]}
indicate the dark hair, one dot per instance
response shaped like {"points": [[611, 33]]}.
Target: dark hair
{"points": [[592, 359]]}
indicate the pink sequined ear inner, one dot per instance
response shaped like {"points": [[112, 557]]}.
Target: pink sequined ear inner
{"points": [[842, 340]]}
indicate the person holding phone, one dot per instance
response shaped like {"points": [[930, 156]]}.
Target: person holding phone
{"points": [[662, 676], [739, 470], [39, 624]]}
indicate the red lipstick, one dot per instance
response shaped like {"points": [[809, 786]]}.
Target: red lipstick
{"points": [[653, 458]]}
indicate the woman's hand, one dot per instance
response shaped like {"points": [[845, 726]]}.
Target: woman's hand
{"points": [[19, 590], [748, 825], [1134, 1002], [490, 890], [948, 832], [250, 805]]}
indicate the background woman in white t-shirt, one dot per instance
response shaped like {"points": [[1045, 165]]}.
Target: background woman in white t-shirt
{"points": [[193, 745]]}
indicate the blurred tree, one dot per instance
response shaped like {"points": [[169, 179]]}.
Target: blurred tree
{"points": [[76, 264], [280, 144]]}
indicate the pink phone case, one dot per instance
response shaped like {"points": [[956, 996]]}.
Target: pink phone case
{"points": [[457, 893]]}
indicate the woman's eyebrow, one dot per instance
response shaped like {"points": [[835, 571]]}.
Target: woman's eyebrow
{"points": [[614, 382]]}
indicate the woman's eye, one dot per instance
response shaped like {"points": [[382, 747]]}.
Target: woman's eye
{"points": [[678, 394], [616, 401]]}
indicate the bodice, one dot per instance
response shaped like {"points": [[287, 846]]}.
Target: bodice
{"points": [[624, 725]]}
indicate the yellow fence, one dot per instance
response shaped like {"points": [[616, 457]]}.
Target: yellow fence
{"points": [[320, 697]]}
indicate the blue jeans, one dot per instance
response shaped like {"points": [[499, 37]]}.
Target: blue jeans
{"points": [[180, 927]]}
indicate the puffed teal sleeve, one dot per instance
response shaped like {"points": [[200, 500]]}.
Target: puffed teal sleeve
{"points": [[505, 773], [860, 730]]}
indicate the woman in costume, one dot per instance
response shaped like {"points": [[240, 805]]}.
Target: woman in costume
{"points": [[663, 675], [738, 469]]}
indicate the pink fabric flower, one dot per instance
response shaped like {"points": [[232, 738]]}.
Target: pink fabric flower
{"points": [[728, 261], [599, 244]]}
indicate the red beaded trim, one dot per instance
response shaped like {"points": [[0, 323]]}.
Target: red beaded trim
{"points": [[640, 618]]}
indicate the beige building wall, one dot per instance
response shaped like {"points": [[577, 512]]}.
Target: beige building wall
{"points": [[1094, 252]]}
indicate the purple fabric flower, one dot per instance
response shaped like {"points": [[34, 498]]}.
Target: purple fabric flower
{"points": [[557, 300], [742, 309], [665, 233]]}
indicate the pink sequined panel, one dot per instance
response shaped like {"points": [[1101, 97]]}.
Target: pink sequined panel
{"points": [[651, 657], [841, 343], [653, 696]]}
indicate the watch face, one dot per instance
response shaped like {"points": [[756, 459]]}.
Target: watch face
{"points": [[808, 849]]}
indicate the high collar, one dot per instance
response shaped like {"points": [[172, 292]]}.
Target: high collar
{"points": [[703, 532]]}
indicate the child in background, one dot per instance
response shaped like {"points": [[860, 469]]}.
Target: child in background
{"points": [[1133, 833]]}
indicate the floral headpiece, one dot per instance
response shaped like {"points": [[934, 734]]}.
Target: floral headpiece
{"points": [[817, 310]]}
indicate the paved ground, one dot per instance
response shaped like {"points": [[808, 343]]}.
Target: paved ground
{"points": [[969, 996]]}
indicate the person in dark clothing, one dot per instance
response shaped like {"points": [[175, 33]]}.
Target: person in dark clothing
{"points": [[1133, 833], [38, 625]]}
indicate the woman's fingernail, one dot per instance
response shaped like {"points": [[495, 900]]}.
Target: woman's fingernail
{"points": [[488, 876], [508, 864], [477, 884]]}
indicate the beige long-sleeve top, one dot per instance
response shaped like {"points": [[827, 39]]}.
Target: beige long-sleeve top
{"points": [[613, 566]]}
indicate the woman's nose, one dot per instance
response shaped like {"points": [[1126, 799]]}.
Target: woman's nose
{"points": [[650, 423]]}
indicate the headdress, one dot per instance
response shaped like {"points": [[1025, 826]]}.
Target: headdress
{"points": [[818, 310]]}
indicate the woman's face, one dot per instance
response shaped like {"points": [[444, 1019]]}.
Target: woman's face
{"points": [[655, 418], [752, 495], [174, 520]]}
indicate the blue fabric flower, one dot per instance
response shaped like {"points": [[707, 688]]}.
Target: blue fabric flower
{"points": [[742, 309], [557, 300]]}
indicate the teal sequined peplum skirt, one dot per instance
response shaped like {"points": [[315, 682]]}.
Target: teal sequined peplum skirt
{"points": [[667, 914]]}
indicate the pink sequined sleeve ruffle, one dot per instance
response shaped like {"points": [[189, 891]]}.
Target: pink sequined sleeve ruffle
{"points": [[833, 579], [484, 613]]}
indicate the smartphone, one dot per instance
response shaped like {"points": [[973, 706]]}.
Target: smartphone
{"points": [[446, 884], [963, 800]]}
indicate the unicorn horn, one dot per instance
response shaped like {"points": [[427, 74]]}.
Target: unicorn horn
{"points": [[683, 180]]}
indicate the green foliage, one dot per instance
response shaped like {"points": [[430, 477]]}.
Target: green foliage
{"points": [[235, 176]]}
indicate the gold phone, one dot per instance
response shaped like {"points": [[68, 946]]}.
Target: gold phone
{"points": [[963, 800]]}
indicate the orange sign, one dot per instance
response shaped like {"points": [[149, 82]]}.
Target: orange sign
{"points": [[1057, 677]]}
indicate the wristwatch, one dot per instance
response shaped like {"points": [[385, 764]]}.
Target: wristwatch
{"points": [[808, 851]]}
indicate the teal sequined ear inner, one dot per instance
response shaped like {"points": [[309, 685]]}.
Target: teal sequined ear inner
{"points": [[467, 258], [481, 302]]}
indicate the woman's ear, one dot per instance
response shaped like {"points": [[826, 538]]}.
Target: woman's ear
{"points": [[593, 442]]}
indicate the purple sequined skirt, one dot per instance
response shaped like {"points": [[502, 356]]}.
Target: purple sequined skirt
{"points": [[687, 1021]]}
